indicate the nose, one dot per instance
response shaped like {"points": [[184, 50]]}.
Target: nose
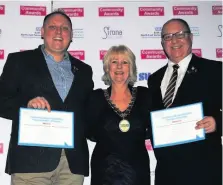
{"points": [[174, 39], [119, 65], [58, 29]]}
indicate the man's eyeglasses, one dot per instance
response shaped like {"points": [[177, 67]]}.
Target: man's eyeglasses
{"points": [[178, 35]]}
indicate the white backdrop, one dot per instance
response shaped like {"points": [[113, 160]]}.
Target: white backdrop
{"points": [[99, 25]]}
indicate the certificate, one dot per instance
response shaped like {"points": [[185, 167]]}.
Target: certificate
{"points": [[46, 129], [174, 126]]}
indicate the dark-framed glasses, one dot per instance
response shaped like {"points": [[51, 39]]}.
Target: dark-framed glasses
{"points": [[178, 35]]}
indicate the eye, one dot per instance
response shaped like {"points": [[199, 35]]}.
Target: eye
{"points": [[114, 61], [52, 27], [65, 28], [180, 35], [125, 62], [167, 37]]}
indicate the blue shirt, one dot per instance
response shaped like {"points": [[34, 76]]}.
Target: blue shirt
{"points": [[60, 72]]}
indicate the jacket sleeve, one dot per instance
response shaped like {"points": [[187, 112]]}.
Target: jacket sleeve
{"points": [[10, 81]]}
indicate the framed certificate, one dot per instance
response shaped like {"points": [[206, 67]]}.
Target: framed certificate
{"points": [[46, 129], [174, 126]]}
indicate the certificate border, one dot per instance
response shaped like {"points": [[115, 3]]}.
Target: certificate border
{"points": [[180, 142], [47, 145]]}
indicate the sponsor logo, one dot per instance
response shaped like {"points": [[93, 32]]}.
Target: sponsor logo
{"points": [[102, 53], [197, 52], [216, 10], [195, 30], [1, 148], [35, 34], [79, 54], [220, 30], [1, 54], [185, 10], [74, 12], [78, 33], [151, 11], [111, 11], [153, 54], [143, 76], [2, 9], [110, 33], [219, 53], [156, 33], [33, 10]]}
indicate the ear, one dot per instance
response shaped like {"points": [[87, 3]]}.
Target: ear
{"points": [[191, 37], [71, 36], [42, 32], [162, 43]]}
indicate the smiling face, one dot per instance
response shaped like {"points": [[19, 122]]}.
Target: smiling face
{"points": [[119, 68], [57, 34], [177, 48]]}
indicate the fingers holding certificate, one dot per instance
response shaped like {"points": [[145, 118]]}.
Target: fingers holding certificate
{"points": [[46, 129], [176, 125]]}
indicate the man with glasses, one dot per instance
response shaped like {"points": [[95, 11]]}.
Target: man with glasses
{"points": [[47, 78], [188, 79]]}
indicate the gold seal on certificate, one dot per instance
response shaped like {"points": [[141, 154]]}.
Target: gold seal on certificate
{"points": [[124, 125]]}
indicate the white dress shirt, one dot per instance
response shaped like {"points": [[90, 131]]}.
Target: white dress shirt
{"points": [[183, 65]]}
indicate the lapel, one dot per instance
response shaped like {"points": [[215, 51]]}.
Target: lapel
{"points": [[45, 76], [157, 95], [76, 70], [47, 81], [188, 83]]}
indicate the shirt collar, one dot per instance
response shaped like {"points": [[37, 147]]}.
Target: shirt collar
{"points": [[46, 55], [183, 63]]}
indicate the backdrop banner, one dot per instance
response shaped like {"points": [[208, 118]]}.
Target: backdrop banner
{"points": [[98, 25]]}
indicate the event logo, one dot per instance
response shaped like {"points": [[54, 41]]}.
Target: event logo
{"points": [[195, 30], [79, 54], [220, 30], [197, 52], [143, 76], [1, 54], [111, 11], [185, 10], [33, 10], [219, 53], [102, 53], [216, 10], [110, 33], [1, 148], [35, 34], [78, 33], [156, 33], [2, 9], [153, 54], [151, 11], [74, 12]]}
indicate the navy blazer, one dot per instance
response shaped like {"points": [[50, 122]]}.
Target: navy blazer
{"points": [[197, 163], [26, 76]]}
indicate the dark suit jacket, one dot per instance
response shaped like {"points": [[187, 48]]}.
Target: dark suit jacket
{"points": [[26, 76], [197, 163]]}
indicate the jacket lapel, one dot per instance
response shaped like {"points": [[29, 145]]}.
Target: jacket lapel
{"points": [[188, 83], [75, 68], [157, 95]]}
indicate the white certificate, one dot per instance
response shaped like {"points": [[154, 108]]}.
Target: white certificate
{"points": [[176, 125], [46, 129]]}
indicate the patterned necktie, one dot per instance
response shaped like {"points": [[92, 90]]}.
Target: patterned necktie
{"points": [[167, 100]]}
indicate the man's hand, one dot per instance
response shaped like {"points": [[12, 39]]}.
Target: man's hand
{"points": [[208, 123], [39, 103]]}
